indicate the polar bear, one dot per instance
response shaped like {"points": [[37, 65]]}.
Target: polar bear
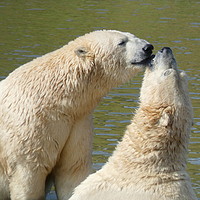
{"points": [[46, 110], [150, 162]]}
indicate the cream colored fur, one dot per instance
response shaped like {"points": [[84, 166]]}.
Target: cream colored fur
{"points": [[46, 110], [150, 162]]}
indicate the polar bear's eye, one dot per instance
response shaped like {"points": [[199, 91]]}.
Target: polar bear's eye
{"points": [[81, 51], [122, 42]]}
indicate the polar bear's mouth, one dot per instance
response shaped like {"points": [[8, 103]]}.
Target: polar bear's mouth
{"points": [[146, 61]]}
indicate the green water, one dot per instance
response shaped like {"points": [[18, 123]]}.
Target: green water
{"points": [[30, 28]]}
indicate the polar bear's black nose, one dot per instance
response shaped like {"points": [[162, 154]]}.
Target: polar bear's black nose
{"points": [[148, 49], [166, 49]]}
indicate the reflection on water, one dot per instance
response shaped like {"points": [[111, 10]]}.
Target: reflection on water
{"points": [[32, 28]]}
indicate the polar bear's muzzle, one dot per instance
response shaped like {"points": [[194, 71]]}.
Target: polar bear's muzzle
{"points": [[164, 60], [146, 54]]}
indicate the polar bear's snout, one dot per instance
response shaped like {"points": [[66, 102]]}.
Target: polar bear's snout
{"points": [[164, 60], [145, 55]]}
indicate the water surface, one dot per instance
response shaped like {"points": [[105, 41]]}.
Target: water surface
{"points": [[32, 28]]}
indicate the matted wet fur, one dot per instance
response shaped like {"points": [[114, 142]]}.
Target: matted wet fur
{"points": [[150, 162], [46, 110]]}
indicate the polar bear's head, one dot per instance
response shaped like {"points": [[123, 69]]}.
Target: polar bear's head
{"points": [[113, 55], [165, 88], [163, 82]]}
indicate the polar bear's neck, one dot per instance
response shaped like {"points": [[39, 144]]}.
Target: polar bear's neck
{"points": [[148, 149]]}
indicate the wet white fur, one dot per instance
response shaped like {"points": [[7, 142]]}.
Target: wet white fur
{"points": [[46, 110], [150, 162]]}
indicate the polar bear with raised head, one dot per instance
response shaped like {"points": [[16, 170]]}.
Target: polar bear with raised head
{"points": [[46, 110], [150, 162]]}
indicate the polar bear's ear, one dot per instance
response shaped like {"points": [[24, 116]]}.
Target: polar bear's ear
{"points": [[164, 119], [81, 51]]}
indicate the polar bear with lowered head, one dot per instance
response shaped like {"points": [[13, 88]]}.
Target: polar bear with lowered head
{"points": [[150, 162], [46, 110]]}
